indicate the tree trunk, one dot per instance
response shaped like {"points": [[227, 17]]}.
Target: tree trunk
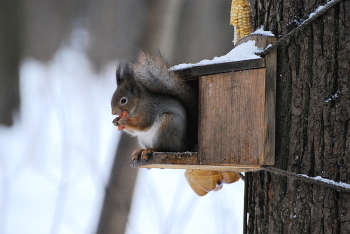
{"points": [[312, 122], [118, 197], [10, 50]]}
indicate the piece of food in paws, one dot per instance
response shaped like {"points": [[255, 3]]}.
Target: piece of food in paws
{"points": [[116, 121], [120, 127]]}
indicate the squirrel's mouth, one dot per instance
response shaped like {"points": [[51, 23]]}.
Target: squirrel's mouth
{"points": [[117, 111]]}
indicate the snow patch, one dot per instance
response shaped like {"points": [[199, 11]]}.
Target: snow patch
{"points": [[320, 8], [332, 98], [244, 51], [261, 31], [328, 181]]}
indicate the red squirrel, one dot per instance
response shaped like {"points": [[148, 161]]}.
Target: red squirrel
{"points": [[156, 106]]}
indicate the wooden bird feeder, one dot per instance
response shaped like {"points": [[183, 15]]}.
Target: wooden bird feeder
{"points": [[236, 126]]}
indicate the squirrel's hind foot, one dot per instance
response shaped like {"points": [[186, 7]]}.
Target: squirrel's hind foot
{"points": [[142, 154]]}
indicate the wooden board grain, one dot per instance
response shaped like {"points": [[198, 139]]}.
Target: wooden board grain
{"points": [[232, 126], [217, 167], [196, 71], [261, 41], [176, 158], [270, 105], [187, 160]]}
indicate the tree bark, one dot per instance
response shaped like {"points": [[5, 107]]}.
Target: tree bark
{"points": [[10, 50], [312, 122], [118, 197]]}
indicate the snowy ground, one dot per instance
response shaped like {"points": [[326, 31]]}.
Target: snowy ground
{"points": [[55, 161]]}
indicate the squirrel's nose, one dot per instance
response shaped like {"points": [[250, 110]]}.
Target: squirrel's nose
{"points": [[116, 111]]}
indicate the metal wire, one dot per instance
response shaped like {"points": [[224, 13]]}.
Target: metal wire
{"points": [[339, 186], [316, 14]]}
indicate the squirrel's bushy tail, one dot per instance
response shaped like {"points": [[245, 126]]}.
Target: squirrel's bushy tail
{"points": [[153, 73]]}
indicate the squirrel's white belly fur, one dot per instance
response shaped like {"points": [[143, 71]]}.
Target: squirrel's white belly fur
{"points": [[147, 138]]}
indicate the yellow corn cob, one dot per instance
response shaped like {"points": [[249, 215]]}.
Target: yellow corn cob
{"points": [[241, 18]]}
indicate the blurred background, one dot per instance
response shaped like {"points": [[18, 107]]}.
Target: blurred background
{"points": [[64, 167]]}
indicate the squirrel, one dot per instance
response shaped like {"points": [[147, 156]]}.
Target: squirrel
{"points": [[155, 105]]}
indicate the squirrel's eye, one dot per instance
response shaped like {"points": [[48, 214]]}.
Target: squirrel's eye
{"points": [[123, 100]]}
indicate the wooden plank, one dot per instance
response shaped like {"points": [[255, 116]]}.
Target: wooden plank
{"points": [[196, 71], [261, 41], [270, 98], [235, 168], [176, 158], [232, 125], [187, 160]]}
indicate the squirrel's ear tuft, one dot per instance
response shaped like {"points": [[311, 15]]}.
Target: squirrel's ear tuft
{"points": [[124, 71]]}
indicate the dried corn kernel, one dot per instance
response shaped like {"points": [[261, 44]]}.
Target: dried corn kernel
{"points": [[241, 18]]}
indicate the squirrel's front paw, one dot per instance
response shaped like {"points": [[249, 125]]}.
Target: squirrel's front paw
{"points": [[142, 154], [115, 121], [122, 121]]}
